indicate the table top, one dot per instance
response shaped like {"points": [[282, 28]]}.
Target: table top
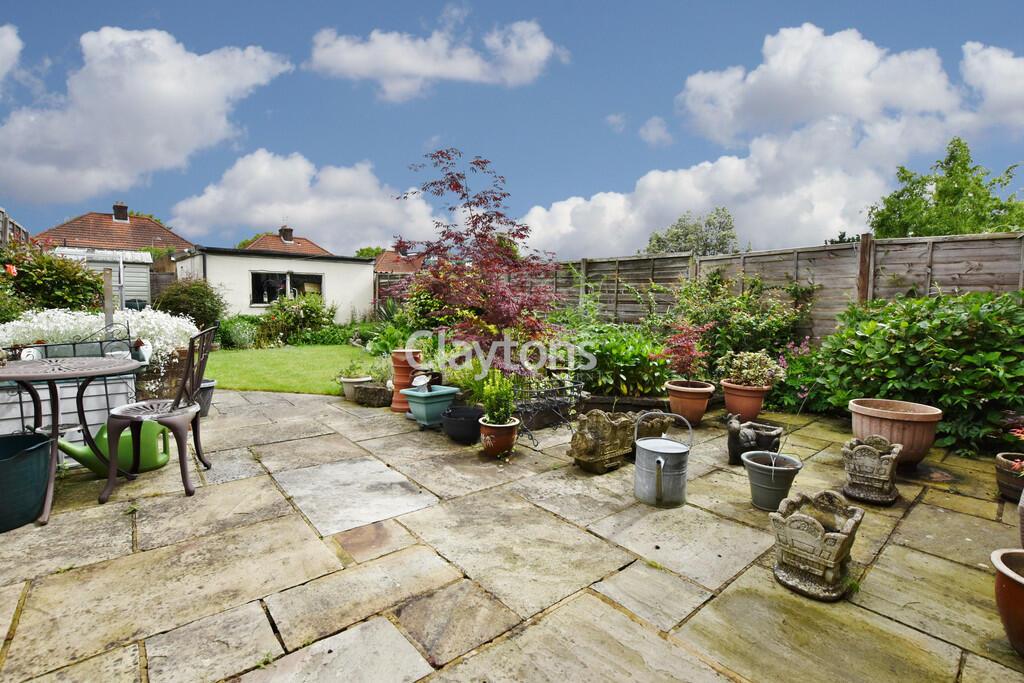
{"points": [[50, 369]]}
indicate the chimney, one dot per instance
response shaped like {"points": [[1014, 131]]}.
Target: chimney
{"points": [[286, 234], [120, 212]]}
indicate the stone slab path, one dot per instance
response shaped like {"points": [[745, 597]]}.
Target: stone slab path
{"points": [[334, 542]]}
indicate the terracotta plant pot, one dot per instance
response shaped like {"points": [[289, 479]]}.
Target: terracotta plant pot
{"points": [[1010, 482], [911, 425], [743, 400], [1009, 563], [400, 359], [689, 398], [498, 439]]}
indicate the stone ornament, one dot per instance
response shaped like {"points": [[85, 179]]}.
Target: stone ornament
{"points": [[870, 466], [750, 436], [813, 538], [602, 440]]}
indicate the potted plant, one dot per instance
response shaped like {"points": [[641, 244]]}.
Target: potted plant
{"points": [[376, 393], [687, 397], [498, 428], [1009, 464], [746, 377], [349, 376], [1009, 563], [910, 424]]}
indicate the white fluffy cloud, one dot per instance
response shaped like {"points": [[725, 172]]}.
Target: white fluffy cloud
{"points": [[10, 49], [341, 208], [617, 122], [655, 132], [820, 125], [140, 103], [404, 66]]}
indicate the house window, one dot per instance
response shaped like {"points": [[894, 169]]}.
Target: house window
{"points": [[267, 287]]}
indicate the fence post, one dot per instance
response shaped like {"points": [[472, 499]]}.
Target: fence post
{"points": [[615, 297], [583, 277], [108, 299], [864, 274]]}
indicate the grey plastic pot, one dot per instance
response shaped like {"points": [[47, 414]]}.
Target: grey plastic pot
{"points": [[769, 484], [206, 396]]}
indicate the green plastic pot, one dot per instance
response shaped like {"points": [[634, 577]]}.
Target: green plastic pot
{"points": [[426, 403], [771, 475], [153, 454], [23, 466]]}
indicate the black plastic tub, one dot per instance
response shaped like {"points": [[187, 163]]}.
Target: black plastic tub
{"points": [[23, 469], [462, 424]]}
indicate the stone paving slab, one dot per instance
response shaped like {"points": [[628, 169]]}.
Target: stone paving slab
{"points": [[235, 417], [526, 557], [463, 471], [653, 594], [955, 536], [216, 439], [583, 640], [371, 541], [228, 397], [327, 605], [986, 509], [578, 496], [789, 633], [317, 450], [693, 543], [70, 616], [169, 519], [1011, 514], [952, 479], [9, 598], [115, 666], [980, 670], [384, 423], [946, 599], [232, 464], [72, 539], [546, 438], [350, 493], [825, 431], [265, 398], [79, 488], [371, 652], [402, 449], [454, 620], [212, 648]]}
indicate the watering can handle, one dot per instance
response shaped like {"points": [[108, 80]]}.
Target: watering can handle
{"points": [[636, 429]]}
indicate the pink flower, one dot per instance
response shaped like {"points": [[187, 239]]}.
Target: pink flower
{"points": [[11, 269]]}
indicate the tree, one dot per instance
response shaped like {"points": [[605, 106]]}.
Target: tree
{"points": [[957, 198], [146, 215], [712, 233], [843, 238], [249, 240], [479, 266], [369, 252]]}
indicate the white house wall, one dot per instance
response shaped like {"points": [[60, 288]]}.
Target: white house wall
{"points": [[347, 285]]}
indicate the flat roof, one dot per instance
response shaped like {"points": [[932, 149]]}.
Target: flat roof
{"points": [[225, 251]]}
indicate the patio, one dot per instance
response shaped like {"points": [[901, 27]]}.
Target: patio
{"points": [[334, 542]]}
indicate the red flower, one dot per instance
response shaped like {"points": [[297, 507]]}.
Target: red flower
{"points": [[11, 269]]}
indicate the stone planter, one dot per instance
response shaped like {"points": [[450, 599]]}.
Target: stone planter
{"points": [[372, 395], [349, 384], [743, 400], [498, 440], [871, 469], [1009, 563], [401, 360], [750, 436], [910, 424], [813, 537], [602, 441], [771, 475], [1008, 480], [689, 398]]}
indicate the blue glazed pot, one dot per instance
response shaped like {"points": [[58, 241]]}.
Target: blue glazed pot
{"points": [[426, 403]]}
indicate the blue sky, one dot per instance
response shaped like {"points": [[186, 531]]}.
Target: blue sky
{"points": [[608, 119]]}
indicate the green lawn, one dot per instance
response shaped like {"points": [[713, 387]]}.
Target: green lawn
{"points": [[297, 369]]}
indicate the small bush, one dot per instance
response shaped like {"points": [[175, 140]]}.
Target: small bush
{"points": [[801, 390], [287, 319], [239, 331], [499, 393], [963, 354], [195, 298], [329, 334], [38, 278], [629, 361]]}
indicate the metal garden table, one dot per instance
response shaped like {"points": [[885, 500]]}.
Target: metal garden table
{"points": [[51, 371]]}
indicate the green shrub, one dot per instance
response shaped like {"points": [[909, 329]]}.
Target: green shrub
{"points": [[286, 319], [195, 298], [963, 354], [499, 401], [11, 304], [41, 279], [801, 390], [239, 331], [466, 378], [328, 334], [627, 362], [750, 369]]}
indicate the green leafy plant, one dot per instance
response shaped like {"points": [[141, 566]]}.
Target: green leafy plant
{"points": [[328, 334], [750, 368], [38, 278], [683, 351], [286, 319], [962, 354], [802, 388], [239, 331], [498, 399], [350, 370], [195, 298], [628, 361]]}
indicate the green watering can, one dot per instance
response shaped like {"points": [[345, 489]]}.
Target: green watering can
{"points": [[153, 453]]}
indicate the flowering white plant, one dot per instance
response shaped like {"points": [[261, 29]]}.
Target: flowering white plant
{"points": [[164, 332]]}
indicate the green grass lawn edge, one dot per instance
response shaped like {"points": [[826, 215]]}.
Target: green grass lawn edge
{"points": [[291, 369]]}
